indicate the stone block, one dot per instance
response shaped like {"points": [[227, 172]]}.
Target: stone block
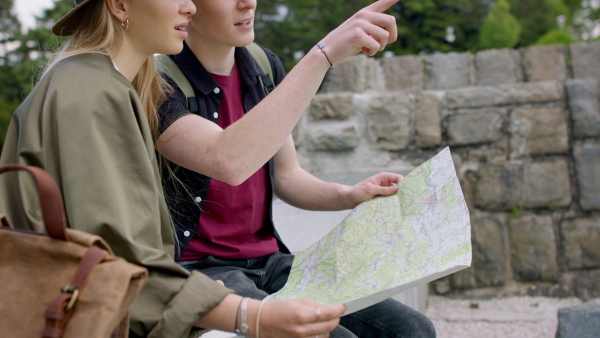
{"points": [[333, 136], [389, 121], [402, 72], [587, 167], [446, 71], [580, 242], [497, 187], [580, 321], [487, 96], [428, 128], [490, 256], [584, 104], [497, 66], [587, 286], [336, 106], [533, 248], [585, 60], [517, 185], [356, 74], [538, 131], [544, 63], [483, 126], [547, 185]]}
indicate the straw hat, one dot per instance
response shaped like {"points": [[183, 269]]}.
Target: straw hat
{"points": [[67, 24]]}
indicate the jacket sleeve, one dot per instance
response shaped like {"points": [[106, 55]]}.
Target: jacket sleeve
{"points": [[95, 141]]}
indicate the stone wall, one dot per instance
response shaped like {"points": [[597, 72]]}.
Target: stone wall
{"points": [[524, 130]]}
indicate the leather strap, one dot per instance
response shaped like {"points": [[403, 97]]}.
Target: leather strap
{"points": [[4, 221], [60, 309], [53, 211]]}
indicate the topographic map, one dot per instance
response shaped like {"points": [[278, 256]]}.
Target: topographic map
{"points": [[388, 244]]}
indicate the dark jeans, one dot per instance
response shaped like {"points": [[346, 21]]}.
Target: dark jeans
{"points": [[259, 277]]}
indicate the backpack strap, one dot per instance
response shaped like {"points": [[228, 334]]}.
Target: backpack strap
{"points": [[263, 61], [166, 65]]}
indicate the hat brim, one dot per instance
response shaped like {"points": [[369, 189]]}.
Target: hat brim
{"points": [[67, 25]]}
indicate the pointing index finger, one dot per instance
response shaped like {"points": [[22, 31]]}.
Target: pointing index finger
{"points": [[380, 5]]}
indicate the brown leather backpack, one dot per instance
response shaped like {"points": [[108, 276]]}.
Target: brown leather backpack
{"points": [[65, 283]]}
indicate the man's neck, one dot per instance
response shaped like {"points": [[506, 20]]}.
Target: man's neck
{"points": [[216, 58]]}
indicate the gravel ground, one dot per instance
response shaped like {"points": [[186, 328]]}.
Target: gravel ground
{"points": [[520, 317]]}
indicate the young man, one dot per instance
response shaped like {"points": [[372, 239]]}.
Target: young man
{"points": [[237, 150]]}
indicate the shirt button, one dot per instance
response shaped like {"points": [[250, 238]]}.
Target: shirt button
{"points": [[216, 115], [198, 199], [186, 234], [217, 90]]}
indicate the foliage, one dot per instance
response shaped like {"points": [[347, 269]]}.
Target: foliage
{"points": [[423, 25], [555, 36], [500, 28], [516, 211], [22, 55], [537, 17], [289, 27], [9, 24]]}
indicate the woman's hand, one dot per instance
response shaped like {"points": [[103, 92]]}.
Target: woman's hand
{"points": [[369, 31], [299, 318]]}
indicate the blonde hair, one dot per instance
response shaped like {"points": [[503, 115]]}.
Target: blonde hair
{"points": [[100, 33]]}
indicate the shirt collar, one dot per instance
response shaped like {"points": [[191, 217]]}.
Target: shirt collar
{"points": [[201, 79]]}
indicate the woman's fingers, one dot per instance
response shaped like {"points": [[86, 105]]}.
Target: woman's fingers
{"points": [[326, 313], [300, 318]]}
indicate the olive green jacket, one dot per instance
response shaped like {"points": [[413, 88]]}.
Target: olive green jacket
{"points": [[84, 124]]}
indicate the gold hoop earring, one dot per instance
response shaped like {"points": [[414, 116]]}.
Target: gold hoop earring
{"points": [[125, 24]]}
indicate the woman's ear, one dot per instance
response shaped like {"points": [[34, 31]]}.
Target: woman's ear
{"points": [[118, 8]]}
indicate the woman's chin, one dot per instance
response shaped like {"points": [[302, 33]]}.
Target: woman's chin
{"points": [[173, 49]]}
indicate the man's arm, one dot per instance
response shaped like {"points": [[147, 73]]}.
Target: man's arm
{"points": [[297, 187], [234, 154]]}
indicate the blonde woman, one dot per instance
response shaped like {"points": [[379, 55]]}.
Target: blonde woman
{"points": [[86, 123]]}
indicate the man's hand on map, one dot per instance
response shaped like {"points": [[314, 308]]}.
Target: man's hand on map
{"points": [[382, 184], [299, 318]]}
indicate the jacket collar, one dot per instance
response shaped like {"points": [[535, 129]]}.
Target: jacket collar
{"points": [[201, 79]]}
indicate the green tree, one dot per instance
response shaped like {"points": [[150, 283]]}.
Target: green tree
{"points": [[582, 17], [290, 27], [500, 28], [22, 55], [438, 25], [537, 17], [10, 28], [555, 36]]}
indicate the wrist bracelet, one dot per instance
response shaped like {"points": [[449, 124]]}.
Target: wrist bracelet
{"points": [[242, 330], [262, 302], [321, 46]]}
